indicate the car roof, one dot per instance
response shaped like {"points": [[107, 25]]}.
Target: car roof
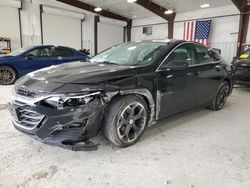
{"points": [[169, 41], [47, 45]]}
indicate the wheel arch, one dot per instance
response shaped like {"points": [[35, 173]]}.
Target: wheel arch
{"points": [[229, 82], [146, 95]]}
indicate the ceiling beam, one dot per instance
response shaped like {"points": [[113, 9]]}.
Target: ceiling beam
{"points": [[241, 5], [90, 8], [156, 9]]}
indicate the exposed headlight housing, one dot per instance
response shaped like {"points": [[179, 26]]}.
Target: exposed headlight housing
{"points": [[70, 100]]}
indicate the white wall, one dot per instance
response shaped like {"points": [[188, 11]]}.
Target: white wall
{"points": [[31, 31], [248, 33], [224, 31], [158, 31], [10, 25], [108, 35], [61, 30]]}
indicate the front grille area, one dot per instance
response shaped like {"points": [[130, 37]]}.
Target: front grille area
{"points": [[28, 119], [26, 93]]}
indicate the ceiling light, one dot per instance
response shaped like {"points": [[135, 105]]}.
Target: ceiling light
{"points": [[169, 12], [134, 16], [131, 1], [98, 9], [205, 5]]}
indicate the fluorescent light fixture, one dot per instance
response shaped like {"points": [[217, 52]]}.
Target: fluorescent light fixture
{"points": [[205, 5], [134, 16], [169, 12], [131, 1], [98, 9]]}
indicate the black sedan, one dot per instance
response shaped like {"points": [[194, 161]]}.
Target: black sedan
{"points": [[121, 91], [242, 65]]}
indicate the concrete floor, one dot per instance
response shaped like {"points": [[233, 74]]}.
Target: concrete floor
{"points": [[199, 149]]}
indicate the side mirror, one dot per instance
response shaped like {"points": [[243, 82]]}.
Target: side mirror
{"points": [[176, 65], [29, 56]]}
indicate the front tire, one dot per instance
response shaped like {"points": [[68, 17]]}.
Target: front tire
{"points": [[8, 75], [126, 120], [221, 98]]}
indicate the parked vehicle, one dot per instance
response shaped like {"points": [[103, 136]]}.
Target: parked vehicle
{"points": [[242, 65], [18, 63], [121, 91]]}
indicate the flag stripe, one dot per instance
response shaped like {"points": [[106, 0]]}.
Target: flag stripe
{"points": [[197, 31]]}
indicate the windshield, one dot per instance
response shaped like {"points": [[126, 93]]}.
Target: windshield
{"points": [[19, 51], [137, 53]]}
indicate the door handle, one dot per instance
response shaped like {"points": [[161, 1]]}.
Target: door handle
{"points": [[217, 68], [196, 73]]}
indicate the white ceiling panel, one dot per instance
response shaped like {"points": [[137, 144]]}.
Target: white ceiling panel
{"points": [[132, 10]]}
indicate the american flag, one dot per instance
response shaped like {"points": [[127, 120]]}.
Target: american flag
{"points": [[197, 31]]}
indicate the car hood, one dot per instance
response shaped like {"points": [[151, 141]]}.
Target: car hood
{"points": [[77, 76], [4, 58]]}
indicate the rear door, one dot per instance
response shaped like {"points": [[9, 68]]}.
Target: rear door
{"points": [[209, 73], [177, 88], [64, 55]]}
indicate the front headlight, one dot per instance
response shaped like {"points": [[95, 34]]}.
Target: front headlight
{"points": [[70, 100]]}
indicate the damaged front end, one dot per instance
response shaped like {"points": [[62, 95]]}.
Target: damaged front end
{"points": [[67, 120]]}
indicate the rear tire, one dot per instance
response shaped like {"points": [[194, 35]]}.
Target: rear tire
{"points": [[125, 120], [8, 75], [221, 97]]}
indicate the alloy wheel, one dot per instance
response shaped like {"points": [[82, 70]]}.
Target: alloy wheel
{"points": [[7, 76], [131, 122], [222, 97]]}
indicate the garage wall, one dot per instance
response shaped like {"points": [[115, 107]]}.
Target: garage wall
{"points": [[11, 29], [31, 31], [88, 33], [158, 31], [248, 33], [109, 35], [66, 33], [30, 19], [224, 31]]}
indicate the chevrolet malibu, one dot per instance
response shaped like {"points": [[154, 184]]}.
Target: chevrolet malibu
{"points": [[119, 92]]}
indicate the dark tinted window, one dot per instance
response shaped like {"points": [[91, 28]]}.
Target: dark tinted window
{"points": [[40, 52], [214, 56], [204, 55], [184, 53], [63, 52]]}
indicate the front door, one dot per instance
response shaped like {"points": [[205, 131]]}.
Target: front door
{"points": [[37, 59], [177, 83]]}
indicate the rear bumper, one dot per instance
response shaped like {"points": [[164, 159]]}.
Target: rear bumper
{"points": [[59, 127]]}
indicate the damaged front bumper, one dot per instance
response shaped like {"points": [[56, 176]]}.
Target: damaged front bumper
{"points": [[71, 127]]}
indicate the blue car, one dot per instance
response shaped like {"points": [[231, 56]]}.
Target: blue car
{"points": [[25, 60]]}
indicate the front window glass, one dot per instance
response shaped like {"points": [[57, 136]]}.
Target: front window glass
{"points": [[183, 54], [138, 53], [40, 52]]}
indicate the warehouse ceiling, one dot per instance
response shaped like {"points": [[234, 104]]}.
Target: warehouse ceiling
{"points": [[132, 10]]}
